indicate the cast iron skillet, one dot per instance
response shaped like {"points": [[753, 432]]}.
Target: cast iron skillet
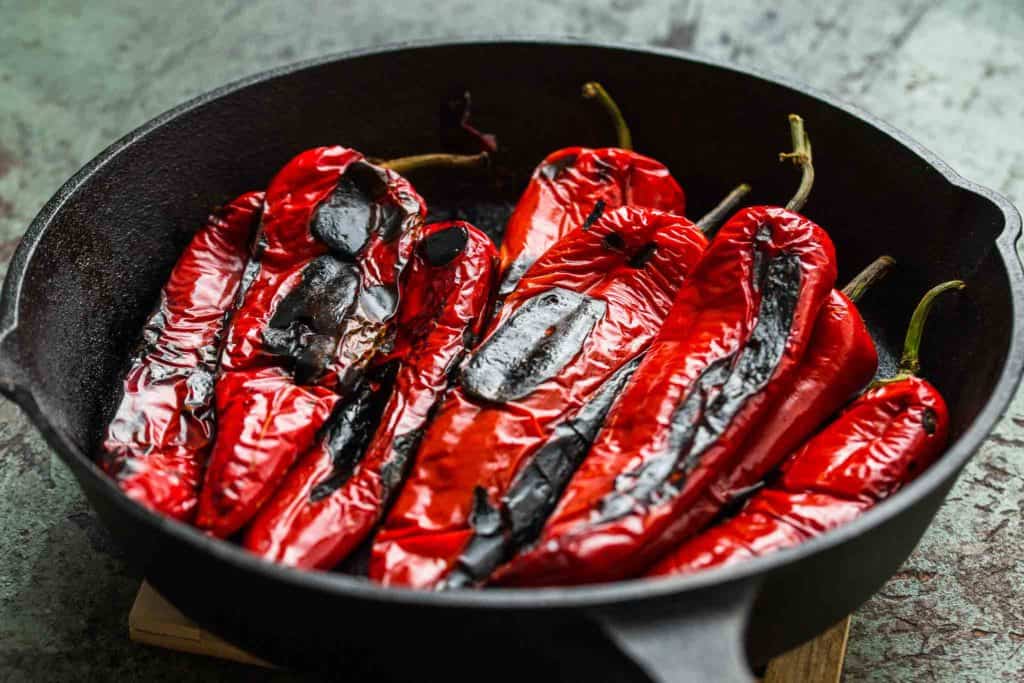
{"points": [[92, 262]]}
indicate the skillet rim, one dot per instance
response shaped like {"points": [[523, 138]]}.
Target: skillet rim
{"points": [[558, 598]]}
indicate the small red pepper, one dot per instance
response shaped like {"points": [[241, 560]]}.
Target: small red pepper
{"points": [[157, 443], [337, 232], [331, 500], [738, 331], [574, 185], [880, 442], [583, 312]]}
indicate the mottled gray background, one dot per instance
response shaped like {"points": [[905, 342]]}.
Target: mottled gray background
{"points": [[74, 76]]}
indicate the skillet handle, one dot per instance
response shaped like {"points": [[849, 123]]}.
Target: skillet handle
{"points": [[693, 638]]}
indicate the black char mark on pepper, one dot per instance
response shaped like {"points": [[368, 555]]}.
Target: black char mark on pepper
{"points": [[536, 489], [720, 392], [642, 255], [553, 169], [532, 346], [355, 210], [595, 214], [439, 248], [513, 276], [350, 429], [307, 322], [928, 421]]}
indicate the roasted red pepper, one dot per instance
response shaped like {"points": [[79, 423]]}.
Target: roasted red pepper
{"points": [[574, 185], [335, 237], [331, 500], [738, 330], [531, 395], [880, 442], [158, 441], [839, 362]]}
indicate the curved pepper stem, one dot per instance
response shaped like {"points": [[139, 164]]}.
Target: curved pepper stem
{"points": [[595, 91], [866, 279], [418, 162], [801, 156], [910, 363], [711, 220]]}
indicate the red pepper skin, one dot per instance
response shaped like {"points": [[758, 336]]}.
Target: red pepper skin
{"points": [[474, 442], [269, 413], [882, 441], [445, 297], [159, 438], [839, 362], [680, 425], [564, 191]]}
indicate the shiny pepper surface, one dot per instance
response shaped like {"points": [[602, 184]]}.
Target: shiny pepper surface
{"points": [[335, 237], [581, 315], [839, 362], [332, 499], [157, 443], [737, 332], [883, 440], [573, 185]]}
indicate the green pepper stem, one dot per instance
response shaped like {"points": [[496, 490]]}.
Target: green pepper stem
{"points": [[422, 161], [910, 362], [801, 156], [595, 91], [865, 279], [715, 216]]}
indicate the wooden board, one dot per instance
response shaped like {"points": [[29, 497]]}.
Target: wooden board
{"points": [[154, 621], [817, 661]]}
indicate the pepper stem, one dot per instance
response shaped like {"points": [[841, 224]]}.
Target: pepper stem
{"points": [[421, 161], [910, 362], [595, 91], [801, 156], [715, 216], [867, 278]]}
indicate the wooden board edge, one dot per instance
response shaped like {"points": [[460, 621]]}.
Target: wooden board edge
{"points": [[816, 661], [155, 621]]}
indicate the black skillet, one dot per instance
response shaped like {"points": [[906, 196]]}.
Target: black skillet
{"points": [[92, 262]]}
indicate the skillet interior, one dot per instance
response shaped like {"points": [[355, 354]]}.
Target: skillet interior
{"points": [[107, 244]]}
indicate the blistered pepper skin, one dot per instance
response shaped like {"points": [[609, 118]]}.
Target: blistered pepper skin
{"points": [[879, 443], [335, 237], [736, 334], [160, 436], [566, 188], [584, 310], [319, 515], [840, 361]]}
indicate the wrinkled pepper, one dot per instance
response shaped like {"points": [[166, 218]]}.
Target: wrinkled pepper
{"points": [[157, 443], [738, 331], [331, 500], [531, 395], [879, 443], [573, 186], [839, 362], [335, 236]]}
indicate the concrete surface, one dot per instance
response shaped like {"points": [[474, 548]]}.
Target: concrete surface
{"points": [[74, 76]]}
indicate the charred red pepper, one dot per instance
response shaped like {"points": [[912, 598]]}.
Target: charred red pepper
{"points": [[157, 443], [738, 330], [331, 500], [336, 234], [839, 362], [531, 396], [572, 186], [880, 442]]}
